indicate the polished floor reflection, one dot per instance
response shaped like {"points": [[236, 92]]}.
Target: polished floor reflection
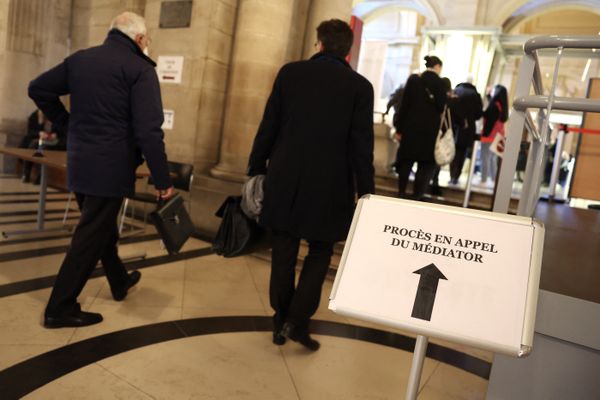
{"points": [[196, 327]]}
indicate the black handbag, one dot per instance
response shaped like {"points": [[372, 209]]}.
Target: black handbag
{"points": [[238, 234], [173, 223]]}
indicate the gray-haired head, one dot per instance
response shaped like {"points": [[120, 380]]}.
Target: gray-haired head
{"points": [[130, 24]]}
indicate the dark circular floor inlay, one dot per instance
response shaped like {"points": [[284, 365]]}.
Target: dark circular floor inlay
{"points": [[27, 376]]}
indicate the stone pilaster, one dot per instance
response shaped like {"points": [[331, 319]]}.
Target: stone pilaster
{"points": [[261, 46]]}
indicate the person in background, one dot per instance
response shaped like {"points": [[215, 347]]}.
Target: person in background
{"points": [[315, 145], [452, 103], [40, 134], [494, 117], [395, 100], [116, 116], [470, 108], [417, 125]]}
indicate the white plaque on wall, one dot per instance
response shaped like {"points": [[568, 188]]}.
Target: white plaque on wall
{"points": [[169, 119], [169, 69]]}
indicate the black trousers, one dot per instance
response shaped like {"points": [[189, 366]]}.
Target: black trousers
{"points": [[425, 171], [297, 303], [457, 163], [95, 238]]}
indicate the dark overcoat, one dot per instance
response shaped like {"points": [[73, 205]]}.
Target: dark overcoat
{"points": [[419, 116], [317, 137], [116, 113], [470, 108]]}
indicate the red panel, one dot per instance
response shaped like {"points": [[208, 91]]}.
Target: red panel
{"points": [[357, 27]]}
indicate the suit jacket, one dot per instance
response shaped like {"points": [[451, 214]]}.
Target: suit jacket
{"points": [[419, 116], [317, 137], [116, 113]]}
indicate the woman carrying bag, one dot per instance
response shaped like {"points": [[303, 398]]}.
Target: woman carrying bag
{"points": [[417, 127]]}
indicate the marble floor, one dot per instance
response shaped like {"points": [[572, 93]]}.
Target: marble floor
{"points": [[197, 326]]}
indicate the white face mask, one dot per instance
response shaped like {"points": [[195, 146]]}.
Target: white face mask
{"points": [[145, 51]]}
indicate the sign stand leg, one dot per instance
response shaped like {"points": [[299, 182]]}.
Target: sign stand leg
{"points": [[417, 367]]}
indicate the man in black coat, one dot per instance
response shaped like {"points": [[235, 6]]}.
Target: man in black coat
{"points": [[471, 109], [317, 136], [116, 114]]}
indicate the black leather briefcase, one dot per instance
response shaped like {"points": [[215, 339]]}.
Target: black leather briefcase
{"points": [[173, 223], [238, 235]]}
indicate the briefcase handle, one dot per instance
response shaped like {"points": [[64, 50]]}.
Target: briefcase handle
{"points": [[160, 202]]}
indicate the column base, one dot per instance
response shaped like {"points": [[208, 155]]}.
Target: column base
{"points": [[230, 176]]}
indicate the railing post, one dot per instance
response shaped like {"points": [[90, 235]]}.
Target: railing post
{"points": [[514, 132]]}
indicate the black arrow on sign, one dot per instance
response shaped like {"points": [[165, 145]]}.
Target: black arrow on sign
{"points": [[428, 283]]}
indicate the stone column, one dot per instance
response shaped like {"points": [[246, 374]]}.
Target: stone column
{"points": [[322, 10], [261, 46]]}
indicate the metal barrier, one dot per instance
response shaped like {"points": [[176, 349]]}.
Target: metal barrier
{"points": [[529, 73]]}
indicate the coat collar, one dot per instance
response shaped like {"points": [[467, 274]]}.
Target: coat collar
{"points": [[322, 56], [116, 36], [467, 85]]}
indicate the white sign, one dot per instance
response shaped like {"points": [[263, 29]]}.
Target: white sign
{"points": [[462, 275], [169, 119], [169, 69]]}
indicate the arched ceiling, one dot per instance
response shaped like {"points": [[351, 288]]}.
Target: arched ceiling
{"points": [[516, 12], [369, 9]]}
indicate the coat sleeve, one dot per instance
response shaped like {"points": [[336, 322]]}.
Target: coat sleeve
{"points": [[478, 106], [408, 97], [361, 141], [267, 132], [441, 98], [45, 91], [147, 118]]}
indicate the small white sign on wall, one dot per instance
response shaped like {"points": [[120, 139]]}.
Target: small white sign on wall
{"points": [[169, 119], [462, 275], [169, 69]]}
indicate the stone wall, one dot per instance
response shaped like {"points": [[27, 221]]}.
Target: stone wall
{"points": [[33, 37], [232, 51]]}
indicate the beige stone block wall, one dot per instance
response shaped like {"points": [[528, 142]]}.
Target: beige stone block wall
{"points": [[18, 67], [322, 10], [3, 24], [92, 18]]}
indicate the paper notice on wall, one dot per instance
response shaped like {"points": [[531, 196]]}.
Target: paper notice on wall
{"points": [[169, 119], [169, 69]]}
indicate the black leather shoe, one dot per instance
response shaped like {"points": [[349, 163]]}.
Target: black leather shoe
{"points": [[436, 191], [278, 338], [76, 319], [133, 279], [291, 332]]}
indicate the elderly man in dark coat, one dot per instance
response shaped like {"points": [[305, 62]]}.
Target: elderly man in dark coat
{"points": [[317, 136], [116, 116]]}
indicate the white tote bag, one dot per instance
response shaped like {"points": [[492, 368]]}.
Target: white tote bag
{"points": [[445, 149]]}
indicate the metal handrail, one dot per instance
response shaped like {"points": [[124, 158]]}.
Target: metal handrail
{"points": [[529, 73], [538, 84], [566, 42], [560, 103]]}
